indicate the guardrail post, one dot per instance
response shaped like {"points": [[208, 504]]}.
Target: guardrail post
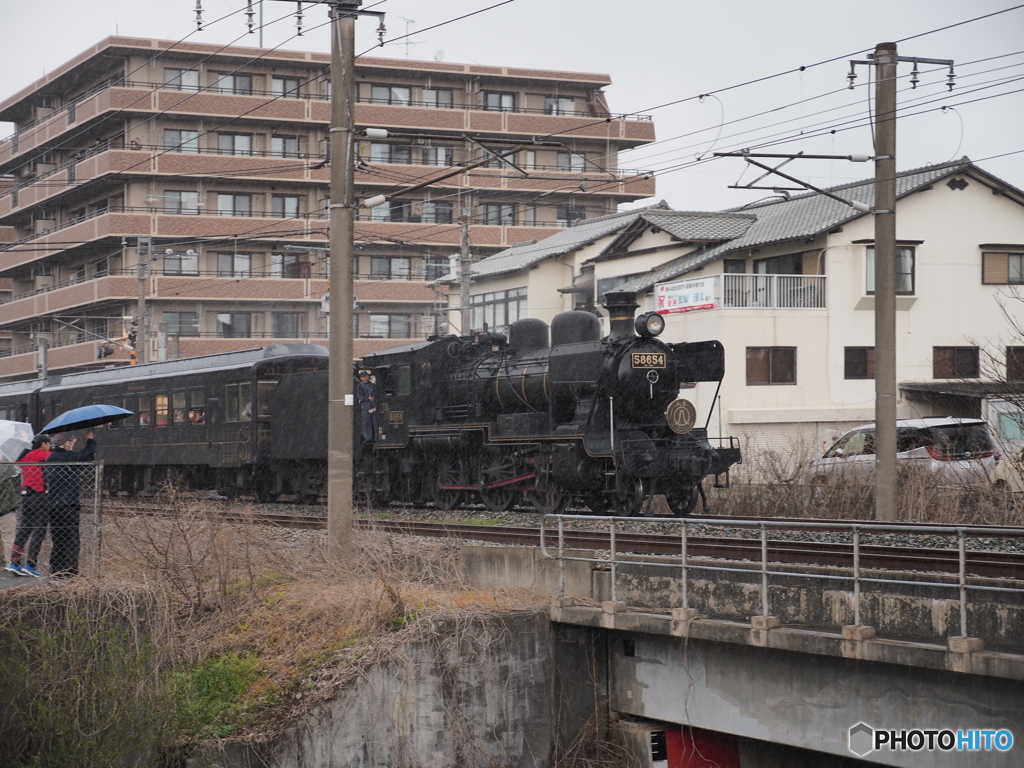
{"points": [[764, 570]]}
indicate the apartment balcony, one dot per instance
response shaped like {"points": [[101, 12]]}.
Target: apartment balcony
{"points": [[729, 291], [133, 97], [121, 287], [113, 157], [135, 221]]}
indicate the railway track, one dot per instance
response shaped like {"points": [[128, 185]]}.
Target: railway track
{"points": [[826, 554]]}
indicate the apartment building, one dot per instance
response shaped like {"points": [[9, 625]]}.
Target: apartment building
{"points": [[192, 180]]}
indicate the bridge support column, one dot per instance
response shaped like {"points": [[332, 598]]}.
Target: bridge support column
{"points": [[759, 628], [854, 637], [681, 620], [960, 650], [608, 610]]}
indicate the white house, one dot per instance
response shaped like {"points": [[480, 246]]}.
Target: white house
{"points": [[787, 286]]}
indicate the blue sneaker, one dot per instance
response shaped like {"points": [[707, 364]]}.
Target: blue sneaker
{"points": [[31, 570], [16, 569]]}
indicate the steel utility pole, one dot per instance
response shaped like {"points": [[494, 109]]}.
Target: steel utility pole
{"points": [[142, 337], [466, 262]]}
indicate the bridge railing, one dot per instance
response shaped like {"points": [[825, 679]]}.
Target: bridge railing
{"points": [[963, 571]]}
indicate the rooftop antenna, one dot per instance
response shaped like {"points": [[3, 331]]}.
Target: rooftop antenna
{"points": [[408, 42]]}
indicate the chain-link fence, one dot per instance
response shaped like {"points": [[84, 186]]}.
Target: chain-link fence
{"points": [[50, 518]]}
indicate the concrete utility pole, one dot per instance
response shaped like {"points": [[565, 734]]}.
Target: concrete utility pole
{"points": [[885, 281], [341, 393], [465, 313]]}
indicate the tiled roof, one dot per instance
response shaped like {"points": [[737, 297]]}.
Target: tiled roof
{"points": [[568, 240], [700, 225], [804, 216]]}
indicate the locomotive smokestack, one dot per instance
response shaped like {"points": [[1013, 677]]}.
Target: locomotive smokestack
{"points": [[621, 306]]}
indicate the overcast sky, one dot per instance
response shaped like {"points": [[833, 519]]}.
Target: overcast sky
{"points": [[656, 51]]}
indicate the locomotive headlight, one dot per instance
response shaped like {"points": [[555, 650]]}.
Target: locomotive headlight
{"points": [[649, 324]]}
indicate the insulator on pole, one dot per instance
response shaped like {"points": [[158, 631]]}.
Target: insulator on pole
{"points": [[199, 15]]}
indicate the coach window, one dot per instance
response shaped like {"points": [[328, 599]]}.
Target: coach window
{"points": [[264, 391], [197, 413], [130, 404], [161, 411], [238, 401], [178, 411], [145, 417]]}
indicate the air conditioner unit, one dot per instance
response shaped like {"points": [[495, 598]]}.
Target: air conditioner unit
{"points": [[42, 282], [45, 225]]}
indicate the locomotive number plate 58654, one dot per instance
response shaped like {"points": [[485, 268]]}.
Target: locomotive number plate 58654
{"points": [[648, 359]]}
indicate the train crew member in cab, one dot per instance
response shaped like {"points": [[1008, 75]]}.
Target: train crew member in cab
{"points": [[34, 513], [62, 486], [366, 392]]}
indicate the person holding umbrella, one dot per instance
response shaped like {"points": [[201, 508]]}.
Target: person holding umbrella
{"points": [[62, 486]]}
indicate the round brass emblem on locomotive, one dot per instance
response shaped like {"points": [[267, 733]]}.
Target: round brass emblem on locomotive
{"points": [[681, 416]]}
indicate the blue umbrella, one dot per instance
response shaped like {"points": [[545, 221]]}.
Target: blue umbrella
{"points": [[87, 416]]}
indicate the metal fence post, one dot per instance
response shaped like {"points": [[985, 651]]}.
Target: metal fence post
{"points": [[97, 521], [962, 541], [856, 575], [684, 535], [613, 557], [561, 556], [764, 569]]}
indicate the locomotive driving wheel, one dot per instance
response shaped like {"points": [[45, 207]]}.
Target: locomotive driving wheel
{"points": [[496, 468], [446, 472], [682, 500], [549, 500], [629, 500]]}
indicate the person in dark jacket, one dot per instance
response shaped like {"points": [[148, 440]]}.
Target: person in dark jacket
{"points": [[62, 486], [34, 513], [366, 394]]}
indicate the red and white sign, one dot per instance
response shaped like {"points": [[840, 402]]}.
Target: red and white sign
{"points": [[685, 296]]}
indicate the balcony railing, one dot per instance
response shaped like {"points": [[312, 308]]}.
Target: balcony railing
{"points": [[72, 105], [729, 291]]}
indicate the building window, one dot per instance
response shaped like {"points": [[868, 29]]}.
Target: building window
{"points": [[285, 86], [389, 268], [234, 143], [438, 98], [566, 216], [240, 85], [573, 162], [771, 365], [500, 214], [390, 326], [435, 267], [285, 206], [181, 264], [530, 160], [1002, 268], [528, 215], [398, 154], [182, 323], [499, 102], [904, 270], [434, 155], [285, 325], [498, 309], [954, 362], [181, 79], [396, 95], [397, 210], [859, 363], [734, 266], [284, 265], [176, 140], [437, 213], [284, 146], [234, 325], [234, 205], [181, 201], [1015, 363], [558, 105], [234, 265]]}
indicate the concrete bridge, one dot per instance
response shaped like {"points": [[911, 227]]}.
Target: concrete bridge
{"points": [[790, 666]]}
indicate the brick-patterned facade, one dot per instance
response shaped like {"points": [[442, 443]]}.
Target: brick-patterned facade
{"points": [[229, 178]]}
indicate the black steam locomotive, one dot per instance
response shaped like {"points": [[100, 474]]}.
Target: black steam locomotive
{"points": [[573, 417], [493, 419]]}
